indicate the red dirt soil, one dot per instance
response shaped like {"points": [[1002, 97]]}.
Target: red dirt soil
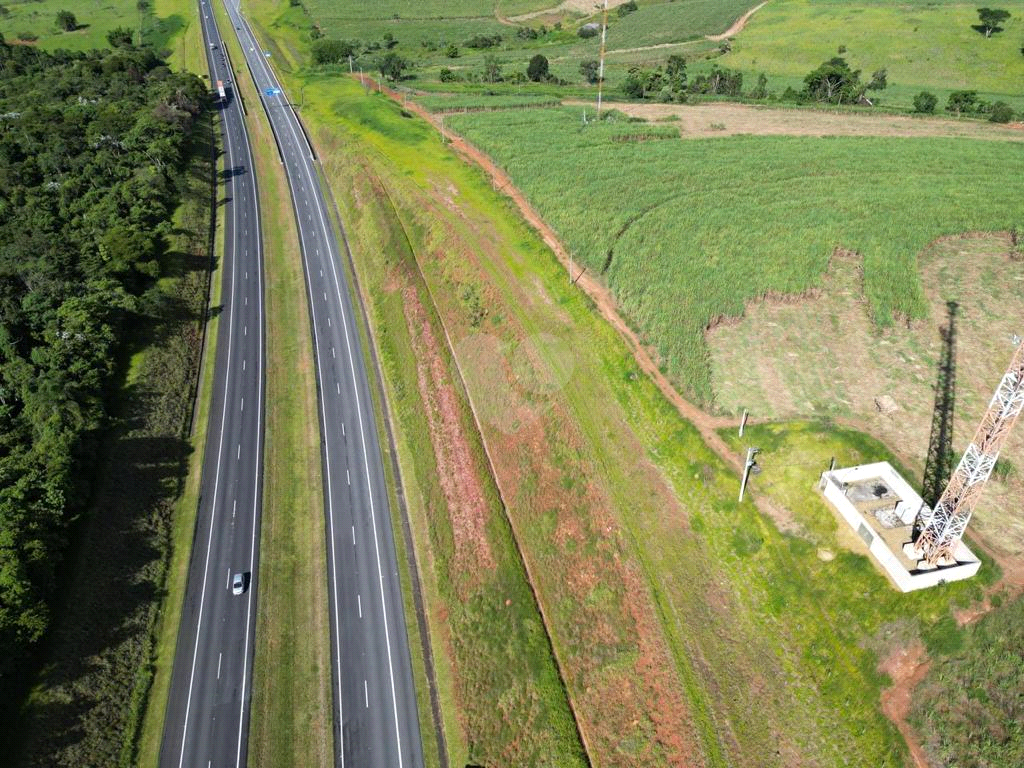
{"points": [[455, 467], [907, 667]]}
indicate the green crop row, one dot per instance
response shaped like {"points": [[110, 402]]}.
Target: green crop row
{"points": [[685, 232], [483, 102]]}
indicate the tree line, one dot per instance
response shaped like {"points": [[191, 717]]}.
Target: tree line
{"points": [[91, 148]]}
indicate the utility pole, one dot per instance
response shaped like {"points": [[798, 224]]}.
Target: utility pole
{"points": [[751, 452]]}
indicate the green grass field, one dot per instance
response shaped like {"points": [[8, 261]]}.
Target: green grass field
{"points": [[483, 102], [422, 31], [924, 45], [161, 24], [684, 234]]}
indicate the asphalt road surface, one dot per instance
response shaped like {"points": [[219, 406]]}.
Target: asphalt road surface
{"points": [[375, 720], [208, 707]]}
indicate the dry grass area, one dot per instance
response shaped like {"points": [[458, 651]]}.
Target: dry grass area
{"points": [[566, 7], [822, 357], [618, 668], [721, 119]]}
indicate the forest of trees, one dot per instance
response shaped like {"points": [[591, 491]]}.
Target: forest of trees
{"points": [[90, 145]]}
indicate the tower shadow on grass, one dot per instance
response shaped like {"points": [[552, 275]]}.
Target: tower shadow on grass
{"points": [[939, 463]]}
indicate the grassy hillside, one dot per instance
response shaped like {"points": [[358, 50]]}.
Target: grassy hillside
{"points": [[686, 232], [35, 21], [422, 32], [924, 45], [968, 707]]}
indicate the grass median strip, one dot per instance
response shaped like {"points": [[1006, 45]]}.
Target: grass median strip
{"points": [[291, 695]]}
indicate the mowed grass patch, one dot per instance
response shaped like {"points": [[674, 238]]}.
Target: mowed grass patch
{"points": [[488, 639], [686, 232], [291, 715], [923, 45]]}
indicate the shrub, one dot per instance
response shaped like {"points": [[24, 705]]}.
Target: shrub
{"points": [[451, 51], [1000, 112], [590, 69], [447, 75], [483, 41], [589, 30], [626, 8], [963, 102], [331, 51], [537, 69], [66, 21], [924, 103], [120, 37]]}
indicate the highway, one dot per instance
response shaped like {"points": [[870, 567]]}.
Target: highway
{"points": [[208, 707], [375, 718]]}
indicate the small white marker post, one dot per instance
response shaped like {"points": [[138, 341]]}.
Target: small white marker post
{"points": [[743, 421]]}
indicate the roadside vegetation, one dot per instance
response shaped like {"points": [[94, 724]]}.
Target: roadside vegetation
{"points": [[102, 323], [684, 237], [501, 696]]}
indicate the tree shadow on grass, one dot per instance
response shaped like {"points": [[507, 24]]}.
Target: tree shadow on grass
{"points": [[982, 30], [97, 646]]}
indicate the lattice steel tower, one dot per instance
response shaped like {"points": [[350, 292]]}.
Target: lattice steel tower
{"points": [[941, 528]]}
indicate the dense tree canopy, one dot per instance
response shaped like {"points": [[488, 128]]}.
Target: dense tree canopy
{"points": [[90, 148]]}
